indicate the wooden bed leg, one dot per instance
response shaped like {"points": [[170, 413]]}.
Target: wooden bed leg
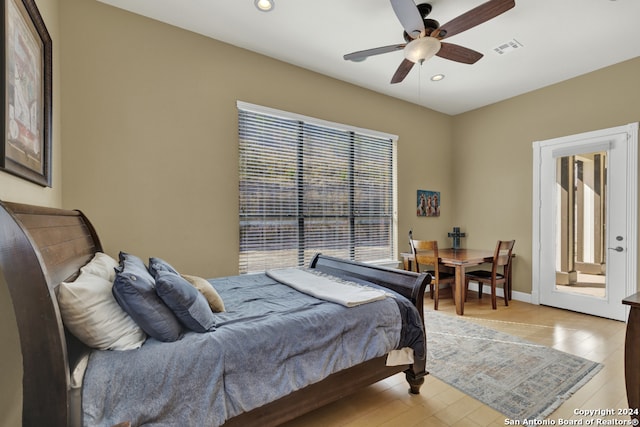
{"points": [[415, 380]]}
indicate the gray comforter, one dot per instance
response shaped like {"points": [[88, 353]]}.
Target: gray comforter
{"points": [[271, 341]]}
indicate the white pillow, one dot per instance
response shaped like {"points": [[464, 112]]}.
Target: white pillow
{"points": [[90, 311], [102, 265]]}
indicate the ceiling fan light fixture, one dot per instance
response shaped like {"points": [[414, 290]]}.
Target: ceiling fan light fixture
{"points": [[421, 49], [265, 5]]}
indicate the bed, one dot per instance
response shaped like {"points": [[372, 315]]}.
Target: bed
{"points": [[41, 247]]}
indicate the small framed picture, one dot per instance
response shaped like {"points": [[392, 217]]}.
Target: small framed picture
{"points": [[428, 203], [26, 69]]}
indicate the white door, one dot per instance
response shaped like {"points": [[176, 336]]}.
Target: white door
{"points": [[584, 221]]}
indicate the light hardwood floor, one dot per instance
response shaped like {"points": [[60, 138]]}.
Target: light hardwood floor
{"points": [[388, 403]]}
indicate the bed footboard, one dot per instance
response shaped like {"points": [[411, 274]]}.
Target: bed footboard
{"points": [[408, 284], [343, 383]]}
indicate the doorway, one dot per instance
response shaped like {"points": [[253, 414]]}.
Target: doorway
{"points": [[585, 221]]}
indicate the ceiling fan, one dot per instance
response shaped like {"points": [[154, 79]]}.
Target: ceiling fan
{"points": [[423, 36]]}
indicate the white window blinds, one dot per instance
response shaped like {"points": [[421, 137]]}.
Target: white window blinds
{"points": [[308, 186]]}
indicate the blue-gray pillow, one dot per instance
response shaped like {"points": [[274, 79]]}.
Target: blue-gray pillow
{"points": [[157, 264], [134, 290], [186, 302], [133, 264]]}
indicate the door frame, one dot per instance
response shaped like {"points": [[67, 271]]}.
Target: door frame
{"points": [[577, 140]]}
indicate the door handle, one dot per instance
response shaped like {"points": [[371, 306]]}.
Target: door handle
{"points": [[618, 249]]}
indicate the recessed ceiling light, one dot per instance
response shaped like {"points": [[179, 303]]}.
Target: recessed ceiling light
{"points": [[437, 77], [265, 5]]}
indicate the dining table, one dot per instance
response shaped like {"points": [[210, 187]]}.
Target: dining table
{"points": [[459, 260]]}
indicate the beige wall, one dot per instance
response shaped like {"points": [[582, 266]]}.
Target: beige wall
{"points": [[18, 190], [494, 154], [153, 161], [150, 128]]}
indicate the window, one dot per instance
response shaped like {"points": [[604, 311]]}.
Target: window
{"points": [[309, 186]]}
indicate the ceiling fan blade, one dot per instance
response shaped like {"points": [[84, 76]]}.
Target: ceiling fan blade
{"points": [[402, 71], [475, 16], [409, 16], [364, 54], [458, 53]]}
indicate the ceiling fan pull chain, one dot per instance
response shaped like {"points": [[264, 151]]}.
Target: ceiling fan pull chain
{"points": [[420, 84]]}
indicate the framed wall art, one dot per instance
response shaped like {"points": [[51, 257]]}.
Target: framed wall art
{"points": [[26, 92], [428, 203]]}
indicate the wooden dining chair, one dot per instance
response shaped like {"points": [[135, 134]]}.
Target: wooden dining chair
{"points": [[501, 258], [425, 259]]}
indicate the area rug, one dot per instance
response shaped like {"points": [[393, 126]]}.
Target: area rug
{"points": [[518, 378]]}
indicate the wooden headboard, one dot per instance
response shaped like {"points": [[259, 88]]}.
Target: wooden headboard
{"points": [[39, 248]]}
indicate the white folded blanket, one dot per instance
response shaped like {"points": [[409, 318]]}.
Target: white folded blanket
{"points": [[326, 287]]}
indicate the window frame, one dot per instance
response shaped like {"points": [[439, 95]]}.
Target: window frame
{"points": [[352, 130]]}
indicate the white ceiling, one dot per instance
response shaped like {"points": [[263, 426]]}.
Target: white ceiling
{"points": [[560, 39]]}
